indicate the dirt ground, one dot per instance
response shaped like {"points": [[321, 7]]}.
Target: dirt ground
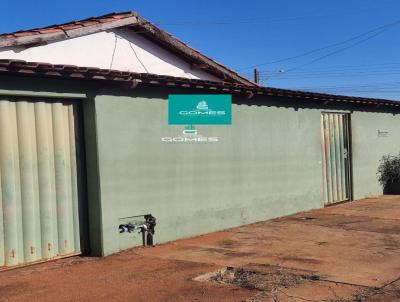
{"points": [[348, 252]]}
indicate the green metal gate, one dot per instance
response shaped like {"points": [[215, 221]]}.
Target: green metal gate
{"points": [[336, 157], [38, 187]]}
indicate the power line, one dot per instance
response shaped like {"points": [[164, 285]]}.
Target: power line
{"points": [[377, 70], [342, 49], [395, 93], [334, 74], [263, 19], [378, 85], [371, 67], [242, 20], [337, 74], [354, 66], [379, 67], [324, 47]]}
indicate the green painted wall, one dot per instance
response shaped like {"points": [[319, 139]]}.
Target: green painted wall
{"points": [[267, 164], [369, 147]]}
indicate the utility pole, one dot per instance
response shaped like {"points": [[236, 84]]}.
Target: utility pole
{"points": [[256, 76]]}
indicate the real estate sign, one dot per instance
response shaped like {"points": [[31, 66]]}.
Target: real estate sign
{"points": [[199, 109]]}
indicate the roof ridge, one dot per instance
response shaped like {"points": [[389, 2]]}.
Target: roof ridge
{"points": [[73, 29], [126, 13]]}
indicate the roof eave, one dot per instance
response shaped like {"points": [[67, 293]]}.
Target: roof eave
{"points": [[199, 59], [133, 20], [35, 69]]}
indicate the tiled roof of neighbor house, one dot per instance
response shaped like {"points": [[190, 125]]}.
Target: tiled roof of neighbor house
{"points": [[61, 28], [131, 80], [41, 36]]}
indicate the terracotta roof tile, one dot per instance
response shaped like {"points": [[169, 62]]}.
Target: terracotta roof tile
{"points": [[74, 26], [19, 67], [22, 34], [145, 27], [105, 20], [7, 36], [70, 25], [48, 30]]}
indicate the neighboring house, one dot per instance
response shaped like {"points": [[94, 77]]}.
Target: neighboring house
{"points": [[123, 42], [84, 108]]}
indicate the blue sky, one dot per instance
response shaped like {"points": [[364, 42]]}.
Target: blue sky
{"points": [[241, 34]]}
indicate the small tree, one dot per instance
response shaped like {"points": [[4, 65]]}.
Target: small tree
{"points": [[389, 173]]}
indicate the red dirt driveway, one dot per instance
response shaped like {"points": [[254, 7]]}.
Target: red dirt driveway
{"points": [[348, 252]]}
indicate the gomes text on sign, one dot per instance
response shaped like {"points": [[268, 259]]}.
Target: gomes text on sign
{"points": [[199, 109]]}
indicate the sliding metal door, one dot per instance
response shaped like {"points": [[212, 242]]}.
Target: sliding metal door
{"points": [[38, 181], [336, 157]]}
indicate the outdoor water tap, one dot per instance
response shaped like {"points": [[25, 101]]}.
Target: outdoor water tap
{"points": [[148, 226], [151, 224], [128, 228]]}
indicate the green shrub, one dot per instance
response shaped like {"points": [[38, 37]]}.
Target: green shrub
{"points": [[389, 170]]}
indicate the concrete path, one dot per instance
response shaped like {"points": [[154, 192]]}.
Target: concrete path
{"points": [[348, 252]]}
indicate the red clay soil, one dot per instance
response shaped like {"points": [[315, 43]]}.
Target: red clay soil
{"points": [[349, 252], [121, 277]]}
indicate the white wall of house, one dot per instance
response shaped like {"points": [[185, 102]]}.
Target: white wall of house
{"points": [[119, 49]]}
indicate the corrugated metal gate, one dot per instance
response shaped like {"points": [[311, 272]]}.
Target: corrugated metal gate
{"points": [[38, 187], [336, 157]]}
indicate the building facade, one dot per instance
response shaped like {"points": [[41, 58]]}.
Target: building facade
{"points": [[82, 150]]}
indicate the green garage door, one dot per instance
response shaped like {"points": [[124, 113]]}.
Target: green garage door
{"points": [[38, 187]]}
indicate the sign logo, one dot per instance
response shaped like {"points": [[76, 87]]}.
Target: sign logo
{"points": [[199, 109], [202, 105], [189, 135]]}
